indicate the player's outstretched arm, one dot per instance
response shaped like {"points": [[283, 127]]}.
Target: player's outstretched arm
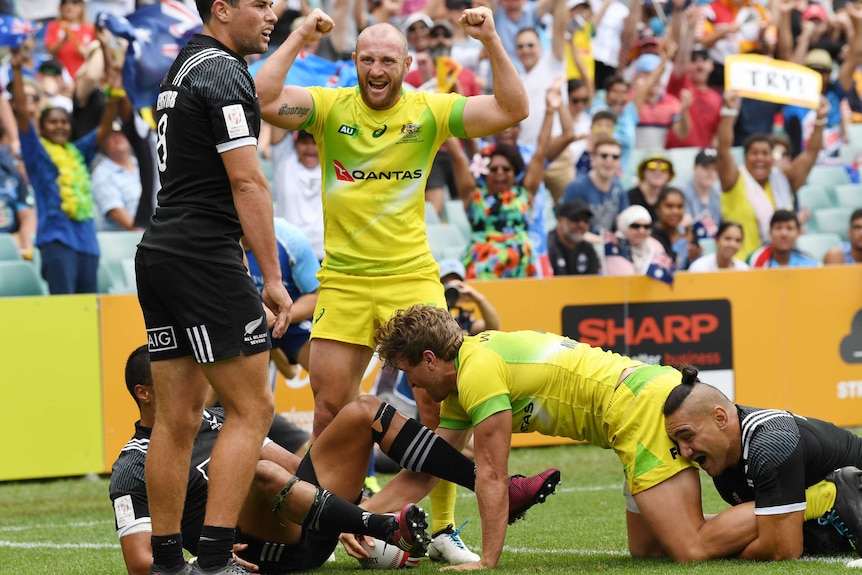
{"points": [[779, 537], [487, 115], [288, 106]]}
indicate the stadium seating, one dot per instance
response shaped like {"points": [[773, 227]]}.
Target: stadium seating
{"points": [[431, 216], [115, 246], [19, 278], [816, 245], [8, 248], [854, 134], [828, 176], [848, 195], [814, 197], [707, 245], [455, 215], [833, 220], [446, 241]]}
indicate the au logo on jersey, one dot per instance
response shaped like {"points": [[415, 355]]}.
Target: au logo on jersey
{"points": [[410, 132], [379, 132], [351, 131]]}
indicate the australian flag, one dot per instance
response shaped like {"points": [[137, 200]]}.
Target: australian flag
{"points": [[661, 267], [611, 243], [704, 226], [13, 31], [156, 34]]}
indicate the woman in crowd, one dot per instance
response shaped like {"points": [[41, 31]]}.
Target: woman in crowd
{"points": [[498, 194], [671, 229], [67, 36], [728, 241], [635, 246], [59, 174]]}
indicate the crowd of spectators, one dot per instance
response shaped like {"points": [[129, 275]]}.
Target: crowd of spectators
{"points": [[614, 87]]}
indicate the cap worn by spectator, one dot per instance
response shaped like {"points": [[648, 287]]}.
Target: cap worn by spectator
{"points": [[444, 24], [415, 18], [572, 4], [706, 156], [654, 159], [815, 12], [51, 67], [574, 208], [819, 59], [452, 267], [699, 51], [646, 63], [456, 4]]}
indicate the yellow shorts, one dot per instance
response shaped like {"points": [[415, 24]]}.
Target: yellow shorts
{"points": [[349, 307], [636, 427]]}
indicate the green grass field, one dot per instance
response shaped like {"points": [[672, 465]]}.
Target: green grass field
{"points": [[66, 527]]}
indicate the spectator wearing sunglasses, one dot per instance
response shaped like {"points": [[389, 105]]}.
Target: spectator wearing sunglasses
{"points": [[568, 250], [654, 172], [601, 187], [637, 248]]}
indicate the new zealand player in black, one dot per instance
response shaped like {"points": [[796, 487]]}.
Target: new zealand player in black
{"points": [[776, 462], [289, 524], [205, 322]]}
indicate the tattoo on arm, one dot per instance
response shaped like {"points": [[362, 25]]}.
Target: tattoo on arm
{"points": [[286, 110]]}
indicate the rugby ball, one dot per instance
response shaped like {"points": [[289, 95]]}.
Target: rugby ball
{"points": [[387, 556]]}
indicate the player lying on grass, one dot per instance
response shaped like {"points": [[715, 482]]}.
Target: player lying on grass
{"points": [[291, 523], [499, 383], [778, 461]]}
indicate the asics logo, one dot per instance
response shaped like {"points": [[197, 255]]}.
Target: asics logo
{"points": [[251, 326], [379, 132], [341, 172]]}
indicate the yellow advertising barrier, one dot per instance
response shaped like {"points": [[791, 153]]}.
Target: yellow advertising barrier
{"points": [[50, 396]]}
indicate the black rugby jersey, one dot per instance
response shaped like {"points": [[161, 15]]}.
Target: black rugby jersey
{"points": [[207, 105], [782, 454], [128, 490]]}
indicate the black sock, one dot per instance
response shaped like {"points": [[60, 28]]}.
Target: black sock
{"points": [[168, 550], [331, 514], [417, 448], [215, 547]]}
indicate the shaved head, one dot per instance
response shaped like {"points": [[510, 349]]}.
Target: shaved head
{"points": [[379, 33]]}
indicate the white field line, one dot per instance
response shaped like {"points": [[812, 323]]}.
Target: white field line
{"points": [[49, 545], [36, 527]]}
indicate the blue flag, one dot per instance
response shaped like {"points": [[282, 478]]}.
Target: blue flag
{"points": [[661, 267], [312, 70], [156, 34], [13, 31]]}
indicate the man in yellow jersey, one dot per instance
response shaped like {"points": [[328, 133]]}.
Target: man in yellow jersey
{"points": [[377, 143], [498, 383]]}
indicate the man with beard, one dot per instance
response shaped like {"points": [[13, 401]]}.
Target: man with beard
{"points": [[569, 253], [377, 143]]}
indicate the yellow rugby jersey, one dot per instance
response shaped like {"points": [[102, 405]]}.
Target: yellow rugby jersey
{"points": [[553, 385], [375, 164]]}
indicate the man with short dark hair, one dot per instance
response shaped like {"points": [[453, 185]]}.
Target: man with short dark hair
{"points": [[206, 325], [784, 230], [568, 251], [601, 188]]}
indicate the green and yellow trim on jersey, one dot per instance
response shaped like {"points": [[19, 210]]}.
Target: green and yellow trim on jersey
{"points": [[375, 164]]}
